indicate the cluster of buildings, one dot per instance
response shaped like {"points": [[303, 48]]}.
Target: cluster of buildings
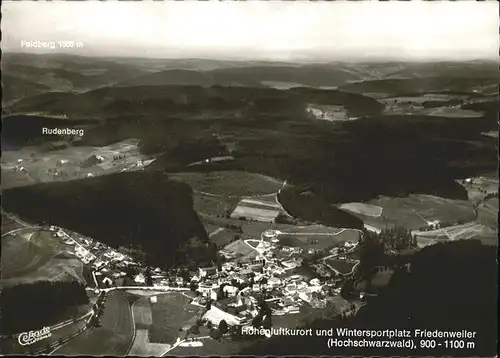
{"points": [[235, 298], [329, 113], [105, 261], [235, 288]]}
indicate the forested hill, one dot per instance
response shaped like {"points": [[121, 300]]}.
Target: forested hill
{"points": [[167, 99], [127, 209]]}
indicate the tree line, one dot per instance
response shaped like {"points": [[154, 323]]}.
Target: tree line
{"points": [[143, 211], [36, 305]]}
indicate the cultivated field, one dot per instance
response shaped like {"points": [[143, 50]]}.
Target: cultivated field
{"points": [[249, 213], [405, 211], [31, 257], [363, 209], [229, 183], [458, 232], [143, 319], [113, 338], [28, 166], [322, 241], [170, 313], [142, 347], [251, 209]]}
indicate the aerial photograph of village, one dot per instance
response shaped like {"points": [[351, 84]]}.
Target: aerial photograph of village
{"points": [[249, 178]]}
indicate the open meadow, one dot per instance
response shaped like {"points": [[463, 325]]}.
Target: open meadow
{"points": [[319, 240], [229, 183], [363, 209], [112, 338], [471, 230], [171, 312], [143, 319], [31, 166], [413, 211], [36, 256]]}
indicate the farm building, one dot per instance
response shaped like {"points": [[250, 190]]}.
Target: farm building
{"points": [[215, 315], [140, 278], [207, 271]]}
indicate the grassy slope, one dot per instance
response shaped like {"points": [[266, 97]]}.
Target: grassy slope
{"points": [[112, 338]]}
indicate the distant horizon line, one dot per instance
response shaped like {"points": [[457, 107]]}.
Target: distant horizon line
{"points": [[257, 59]]}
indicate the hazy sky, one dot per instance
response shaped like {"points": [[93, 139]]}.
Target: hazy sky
{"points": [[255, 29]]}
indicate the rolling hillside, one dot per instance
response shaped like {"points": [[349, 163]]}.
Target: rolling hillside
{"points": [[252, 76], [15, 88], [401, 86]]}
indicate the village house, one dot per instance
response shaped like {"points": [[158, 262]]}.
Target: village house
{"points": [[98, 264], [256, 267], [230, 290], [179, 281], [204, 289], [160, 283], [140, 278], [207, 271], [273, 282], [290, 264], [107, 281], [215, 315], [256, 287]]}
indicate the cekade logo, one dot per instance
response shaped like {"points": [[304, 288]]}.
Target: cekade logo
{"points": [[27, 338]]}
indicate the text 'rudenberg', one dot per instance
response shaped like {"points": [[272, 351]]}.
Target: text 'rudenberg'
{"points": [[62, 131]]}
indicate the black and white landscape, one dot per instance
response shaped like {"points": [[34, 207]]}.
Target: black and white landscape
{"points": [[249, 178]]}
